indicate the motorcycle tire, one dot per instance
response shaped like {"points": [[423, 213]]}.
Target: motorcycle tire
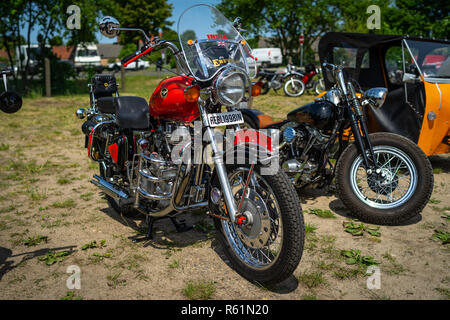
{"points": [[283, 210], [371, 197], [319, 87], [299, 88], [265, 88]]}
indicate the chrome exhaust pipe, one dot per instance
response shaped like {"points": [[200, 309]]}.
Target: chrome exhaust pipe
{"points": [[109, 189]]}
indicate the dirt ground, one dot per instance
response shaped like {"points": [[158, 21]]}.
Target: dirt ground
{"points": [[47, 203]]}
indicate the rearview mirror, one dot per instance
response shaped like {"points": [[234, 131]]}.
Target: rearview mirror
{"points": [[109, 27], [410, 78], [376, 95]]}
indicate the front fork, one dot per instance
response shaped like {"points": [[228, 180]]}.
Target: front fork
{"points": [[220, 168]]}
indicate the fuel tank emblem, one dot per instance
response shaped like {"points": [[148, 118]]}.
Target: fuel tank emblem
{"points": [[164, 92]]}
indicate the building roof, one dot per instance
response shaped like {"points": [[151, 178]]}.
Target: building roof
{"points": [[62, 52], [109, 50]]}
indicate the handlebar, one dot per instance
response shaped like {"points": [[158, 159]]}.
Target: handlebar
{"points": [[146, 49], [330, 66]]}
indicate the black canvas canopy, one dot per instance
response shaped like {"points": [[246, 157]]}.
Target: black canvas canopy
{"points": [[367, 62]]}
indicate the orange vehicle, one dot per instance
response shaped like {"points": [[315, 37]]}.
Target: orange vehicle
{"points": [[416, 72]]}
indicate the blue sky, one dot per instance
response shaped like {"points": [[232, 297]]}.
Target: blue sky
{"points": [[178, 7]]}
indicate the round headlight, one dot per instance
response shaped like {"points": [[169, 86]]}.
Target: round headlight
{"points": [[230, 87]]}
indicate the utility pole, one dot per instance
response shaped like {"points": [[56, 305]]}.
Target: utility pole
{"points": [[48, 84], [301, 39]]}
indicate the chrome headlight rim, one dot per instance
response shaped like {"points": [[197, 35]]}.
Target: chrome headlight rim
{"points": [[332, 96], [224, 75]]}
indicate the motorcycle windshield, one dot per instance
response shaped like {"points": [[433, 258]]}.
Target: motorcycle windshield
{"points": [[210, 42]]}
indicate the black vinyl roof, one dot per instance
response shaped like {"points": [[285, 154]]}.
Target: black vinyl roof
{"points": [[363, 40]]}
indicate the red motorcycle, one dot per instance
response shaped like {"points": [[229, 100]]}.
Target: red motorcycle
{"points": [[151, 156], [293, 86]]}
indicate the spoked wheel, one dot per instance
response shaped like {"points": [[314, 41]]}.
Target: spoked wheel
{"points": [[319, 86], [294, 87], [397, 190], [268, 246]]}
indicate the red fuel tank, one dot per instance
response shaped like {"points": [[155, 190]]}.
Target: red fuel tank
{"points": [[168, 102]]}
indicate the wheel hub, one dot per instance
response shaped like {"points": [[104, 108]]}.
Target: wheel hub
{"points": [[255, 232], [383, 178]]}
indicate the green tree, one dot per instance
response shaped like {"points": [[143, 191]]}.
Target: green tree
{"points": [[150, 16], [284, 21], [428, 18], [48, 18]]}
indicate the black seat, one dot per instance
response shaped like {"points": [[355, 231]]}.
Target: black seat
{"points": [[106, 105], [132, 112]]}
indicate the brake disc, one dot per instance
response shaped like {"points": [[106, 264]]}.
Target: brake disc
{"points": [[255, 232]]}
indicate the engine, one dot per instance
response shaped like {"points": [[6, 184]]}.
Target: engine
{"points": [[300, 152]]}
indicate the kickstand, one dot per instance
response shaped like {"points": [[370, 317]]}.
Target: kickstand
{"points": [[149, 235], [180, 226]]}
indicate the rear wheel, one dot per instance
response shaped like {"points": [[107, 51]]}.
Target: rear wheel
{"points": [[397, 191], [268, 247]]}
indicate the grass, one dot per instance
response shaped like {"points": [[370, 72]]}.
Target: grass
{"points": [[326, 214], [114, 280], [358, 229], [63, 181], [311, 279], [71, 295], [53, 257], [199, 290], [437, 170], [442, 236], [174, 264], [353, 256], [445, 292], [34, 241], [93, 244], [69, 203], [87, 196], [310, 228]]}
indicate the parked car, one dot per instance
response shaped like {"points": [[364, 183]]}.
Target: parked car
{"points": [[268, 57], [23, 52], [135, 65], [86, 55]]}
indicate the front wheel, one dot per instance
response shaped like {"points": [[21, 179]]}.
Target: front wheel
{"points": [[294, 87], [396, 191], [268, 247]]}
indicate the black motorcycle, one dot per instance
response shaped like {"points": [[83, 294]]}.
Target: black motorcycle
{"points": [[382, 178], [276, 80], [10, 101]]}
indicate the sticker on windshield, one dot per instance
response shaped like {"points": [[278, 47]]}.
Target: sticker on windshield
{"points": [[219, 62], [216, 36]]}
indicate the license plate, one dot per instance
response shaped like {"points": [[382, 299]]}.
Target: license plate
{"points": [[225, 118]]}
